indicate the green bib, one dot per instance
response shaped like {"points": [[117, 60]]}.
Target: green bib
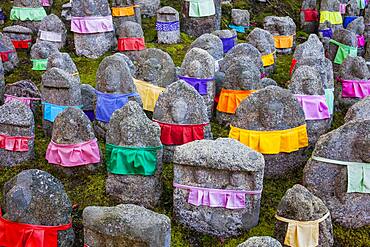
{"points": [[124, 160], [343, 52], [39, 64]]}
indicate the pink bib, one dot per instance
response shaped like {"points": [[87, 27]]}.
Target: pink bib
{"points": [[71, 155], [25, 100], [355, 89], [14, 143], [314, 106], [230, 199], [91, 24]]}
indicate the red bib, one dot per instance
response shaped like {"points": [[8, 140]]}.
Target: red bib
{"points": [[14, 234], [178, 134], [310, 15], [21, 44]]}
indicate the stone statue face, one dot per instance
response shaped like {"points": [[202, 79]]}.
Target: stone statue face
{"points": [[151, 69], [89, 7], [72, 131], [112, 80], [272, 114], [51, 26], [179, 111], [26, 3], [194, 69]]}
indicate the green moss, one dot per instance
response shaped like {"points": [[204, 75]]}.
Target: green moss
{"points": [[281, 73]]}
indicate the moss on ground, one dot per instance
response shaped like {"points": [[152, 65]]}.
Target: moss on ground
{"points": [[86, 189]]}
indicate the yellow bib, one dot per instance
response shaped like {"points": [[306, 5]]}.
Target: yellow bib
{"points": [[149, 93], [123, 11], [283, 42], [334, 18], [274, 141], [302, 233], [268, 59]]}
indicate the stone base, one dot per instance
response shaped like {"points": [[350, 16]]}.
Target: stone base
{"points": [[8, 158], [197, 26], [140, 190], [172, 37]]}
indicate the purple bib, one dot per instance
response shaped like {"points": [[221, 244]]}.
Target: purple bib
{"points": [[228, 43], [199, 84]]}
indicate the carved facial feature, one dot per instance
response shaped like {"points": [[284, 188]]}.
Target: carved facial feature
{"points": [[151, 69], [272, 114], [179, 111]]}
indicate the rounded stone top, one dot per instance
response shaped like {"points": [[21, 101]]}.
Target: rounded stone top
{"points": [[167, 14], [180, 103], [300, 204], [306, 80], [329, 5], [357, 26], [130, 64], [225, 33], [24, 88], [36, 197], [52, 23], [130, 29], [271, 108], [129, 126], [210, 43], [72, 126], [16, 113], [125, 218], [156, 66], [311, 48], [27, 3], [262, 40], [240, 53], [264, 241], [90, 8], [242, 76], [198, 63], [279, 25], [114, 76], [268, 82], [58, 78], [62, 61], [240, 17], [43, 49], [359, 111], [17, 29], [345, 37], [350, 142], [354, 68], [221, 154]]}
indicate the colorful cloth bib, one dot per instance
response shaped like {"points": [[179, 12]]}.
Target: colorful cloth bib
{"points": [[314, 106], [72, 155], [347, 20], [14, 143], [17, 234], [107, 103], [124, 11], [51, 111], [326, 33], [268, 59], [178, 134], [50, 36], [342, 8], [149, 94], [283, 42], [22, 44], [358, 174], [39, 64], [230, 99], [25, 100], [92, 24], [128, 160], [201, 8], [5, 55], [238, 29], [355, 89], [361, 41], [167, 26], [329, 96], [335, 18], [199, 84], [273, 141], [343, 52], [216, 198], [310, 15], [131, 44], [27, 14], [228, 43], [302, 233]]}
